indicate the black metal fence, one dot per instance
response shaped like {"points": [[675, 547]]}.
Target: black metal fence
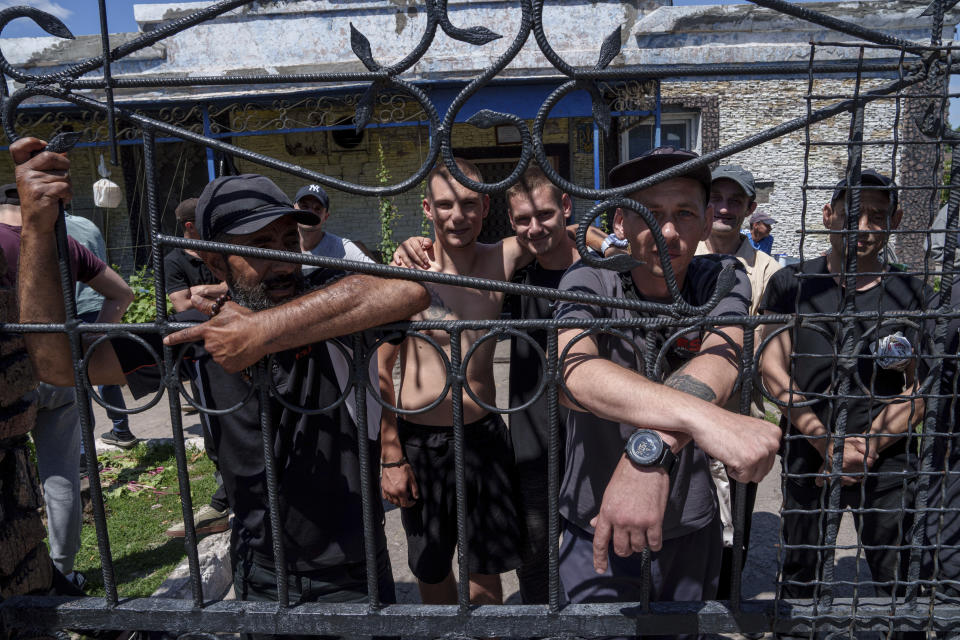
{"points": [[922, 595]]}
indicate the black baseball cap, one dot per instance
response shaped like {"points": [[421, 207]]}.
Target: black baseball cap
{"points": [[739, 175], [655, 161], [244, 204], [9, 194], [871, 178], [316, 191]]}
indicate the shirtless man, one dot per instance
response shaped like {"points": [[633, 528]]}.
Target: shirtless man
{"points": [[417, 450]]}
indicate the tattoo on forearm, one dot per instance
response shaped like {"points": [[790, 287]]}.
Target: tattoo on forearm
{"points": [[688, 384]]}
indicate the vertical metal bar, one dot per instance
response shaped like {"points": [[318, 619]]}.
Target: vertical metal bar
{"points": [[740, 502], [370, 537], [67, 283], [553, 468], [262, 380], [456, 396], [597, 179], [657, 138], [108, 81], [847, 358], [171, 367], [211, 163]]}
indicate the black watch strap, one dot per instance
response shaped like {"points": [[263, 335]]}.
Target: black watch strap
{"points": [[668, 459]]}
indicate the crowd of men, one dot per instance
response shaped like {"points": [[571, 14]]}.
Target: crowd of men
{"points": [[647, 462]]}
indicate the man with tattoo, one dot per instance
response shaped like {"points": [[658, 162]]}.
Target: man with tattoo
{"points": [[636, 468], [316, 454], [417, 449]]}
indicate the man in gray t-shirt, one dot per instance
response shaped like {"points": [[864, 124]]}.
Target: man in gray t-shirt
{"points": [[636, 469], [314, 238]]}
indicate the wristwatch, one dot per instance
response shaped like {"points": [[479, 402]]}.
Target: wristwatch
{"points": [[613, 241], [645, 448]]}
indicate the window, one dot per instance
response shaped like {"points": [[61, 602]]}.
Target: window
{"points": [[678, 129]]}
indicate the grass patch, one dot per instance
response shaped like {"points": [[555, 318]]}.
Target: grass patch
{"points": [[142, 499]]}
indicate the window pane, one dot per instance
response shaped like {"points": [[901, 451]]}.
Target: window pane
{"points": [[641, 139], [675, 135]]}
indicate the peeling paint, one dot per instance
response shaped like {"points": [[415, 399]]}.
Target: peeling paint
{"points": [[89, 46], [405, 9]]}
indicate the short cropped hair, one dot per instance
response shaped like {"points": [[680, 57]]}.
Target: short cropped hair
{"points": [[186, 211], [441, 169], [532, 179]]}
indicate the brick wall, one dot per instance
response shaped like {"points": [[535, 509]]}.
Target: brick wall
{"points": [[25, 565], [781, 161]]}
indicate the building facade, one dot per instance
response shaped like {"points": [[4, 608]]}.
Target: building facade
{"points": [[680, 95]]}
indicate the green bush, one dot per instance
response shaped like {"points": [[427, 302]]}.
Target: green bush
{"points": [[144, 305]]}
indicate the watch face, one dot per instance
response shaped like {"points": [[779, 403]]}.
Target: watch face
{"points": [[644, 447]]}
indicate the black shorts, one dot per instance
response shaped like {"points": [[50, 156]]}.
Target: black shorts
{"points": [[494, 533]]}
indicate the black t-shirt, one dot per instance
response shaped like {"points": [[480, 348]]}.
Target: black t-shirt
{"points": [[316, 456], [943, 529], [528, 428], [817, 370], [182, 271]]}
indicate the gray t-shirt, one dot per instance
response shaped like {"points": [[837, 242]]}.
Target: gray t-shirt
{"points": [[86, 233], [333, 246], [594, 445]]}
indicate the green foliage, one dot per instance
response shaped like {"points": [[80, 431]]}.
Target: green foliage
{"points": [[426, 227], [387, 211], [142, 500], [144, 305]]}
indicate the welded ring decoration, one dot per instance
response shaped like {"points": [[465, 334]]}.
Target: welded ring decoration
{"points": [[800, 360], [85, 371], [344, 392], [593, 331], [410, 333], [496, 333], [193, 402], [677, 335]]}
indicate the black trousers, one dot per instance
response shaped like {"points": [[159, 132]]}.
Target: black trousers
{"points": [[343, 583], [802, 567]]}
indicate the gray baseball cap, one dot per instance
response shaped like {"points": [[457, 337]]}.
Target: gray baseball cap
{"points": [[739, 175], [760, 216], [244, 204]]}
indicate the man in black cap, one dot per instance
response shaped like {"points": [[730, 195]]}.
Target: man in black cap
{"points": [[316, 454], [313, 238], [800, 367], [636, 469]]}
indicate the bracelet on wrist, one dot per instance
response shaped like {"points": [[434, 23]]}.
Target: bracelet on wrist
{"points": [[399, 463]]}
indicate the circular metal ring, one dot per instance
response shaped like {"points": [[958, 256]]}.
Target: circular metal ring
{"points": [[409, 333], [348, 356], [86, 371], [758, 352], [495, 333], [585, 333], [661, 356], [194, 403]]}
